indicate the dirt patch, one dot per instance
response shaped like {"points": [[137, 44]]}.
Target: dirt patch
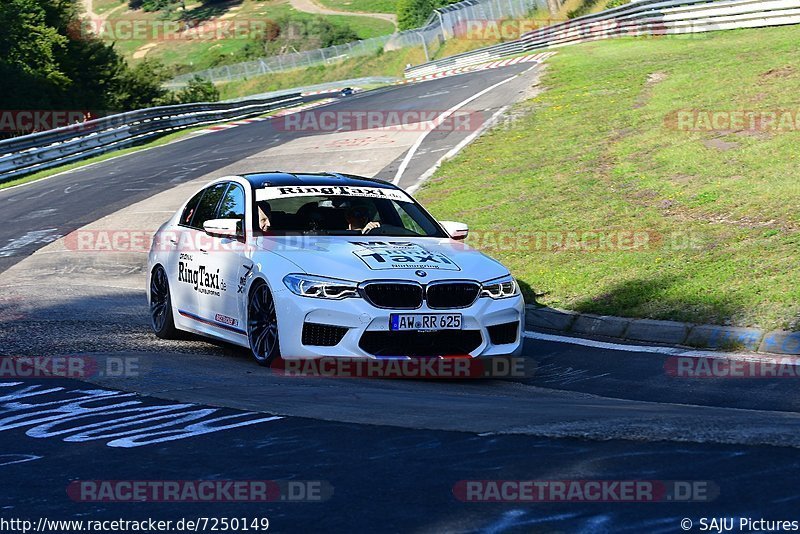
{"points": [[720, 144], [619, 134], [653, 79], [756, 134], [535, 89], [779, 72]]}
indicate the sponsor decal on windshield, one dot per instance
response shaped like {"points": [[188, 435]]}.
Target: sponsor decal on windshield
{"points": [[380, 255], [271, 193]]}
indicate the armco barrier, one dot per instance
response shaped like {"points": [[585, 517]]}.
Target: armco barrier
{"points": [[645, 17], [35, 152]]}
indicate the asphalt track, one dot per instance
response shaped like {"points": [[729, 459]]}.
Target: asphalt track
{"points": [[392, 450], [38, 213]]}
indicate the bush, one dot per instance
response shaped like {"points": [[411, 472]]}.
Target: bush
{"points": [[582, 9], [198, 90]]}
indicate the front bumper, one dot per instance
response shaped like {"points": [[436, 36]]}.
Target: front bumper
{"points": [[359, 317]]}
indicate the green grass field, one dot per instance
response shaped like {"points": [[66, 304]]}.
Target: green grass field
{"points": [[386, 64], [363, 6], [714, 213], [189, 55]]}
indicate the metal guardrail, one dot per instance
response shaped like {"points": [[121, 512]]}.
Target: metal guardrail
{"points": [[643, 17], [35, 152]]}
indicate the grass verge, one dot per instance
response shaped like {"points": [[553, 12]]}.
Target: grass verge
{"points": [[362, 6], [189, 52], [697, 226], [385, 64]]}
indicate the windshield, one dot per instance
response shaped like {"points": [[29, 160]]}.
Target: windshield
{"points": [[342, 215]]}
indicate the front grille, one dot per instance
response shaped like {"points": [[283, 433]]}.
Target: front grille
{"points": [[441, 343], [503, 333], [322, 335], [452, 295], [397, 296]]}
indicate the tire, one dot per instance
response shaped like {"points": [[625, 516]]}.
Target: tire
{"points": [[161, 318], [262, 325]]}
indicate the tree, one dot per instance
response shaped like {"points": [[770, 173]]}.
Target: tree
{"points": [[29, 50], [333, 34], [140, 86], [413, 13]]}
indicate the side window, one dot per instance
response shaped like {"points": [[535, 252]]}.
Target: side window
{"points": [[207, 209], [190, 209], [232, 205]]}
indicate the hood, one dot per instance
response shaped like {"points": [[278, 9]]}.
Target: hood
{"points": [[360, 258]]}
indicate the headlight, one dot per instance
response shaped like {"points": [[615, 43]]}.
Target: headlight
{"points": [[308, 285], [500, 288]]}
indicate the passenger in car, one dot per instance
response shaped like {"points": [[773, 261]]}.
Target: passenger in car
{"points": [[264, 213]]}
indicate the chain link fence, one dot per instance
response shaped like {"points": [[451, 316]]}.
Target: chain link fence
{"points": [[442, 25]]}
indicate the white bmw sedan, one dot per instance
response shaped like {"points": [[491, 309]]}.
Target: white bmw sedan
{"points": [[327, 265]]}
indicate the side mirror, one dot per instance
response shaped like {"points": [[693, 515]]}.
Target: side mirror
{"points": [[222, 227], [456, 230]]}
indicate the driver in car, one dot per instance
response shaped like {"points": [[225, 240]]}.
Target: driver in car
{"points": [[358, 219]]}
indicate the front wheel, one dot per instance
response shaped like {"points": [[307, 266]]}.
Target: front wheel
{"points": [[161, 319], [262, 325]]}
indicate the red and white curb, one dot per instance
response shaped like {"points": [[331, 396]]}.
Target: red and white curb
{"points": [[538, 58], [281, 113]]}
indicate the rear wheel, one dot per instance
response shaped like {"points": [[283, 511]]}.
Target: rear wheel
{"points": [[161, 319], [262, 325]]}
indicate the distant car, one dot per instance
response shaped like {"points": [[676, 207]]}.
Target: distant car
{"points": [[347, 91], [313, 265]]}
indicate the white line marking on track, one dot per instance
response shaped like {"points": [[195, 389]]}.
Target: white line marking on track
{"points": [[430, 95], [455, 150], [668, 351], [438, 120]]}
